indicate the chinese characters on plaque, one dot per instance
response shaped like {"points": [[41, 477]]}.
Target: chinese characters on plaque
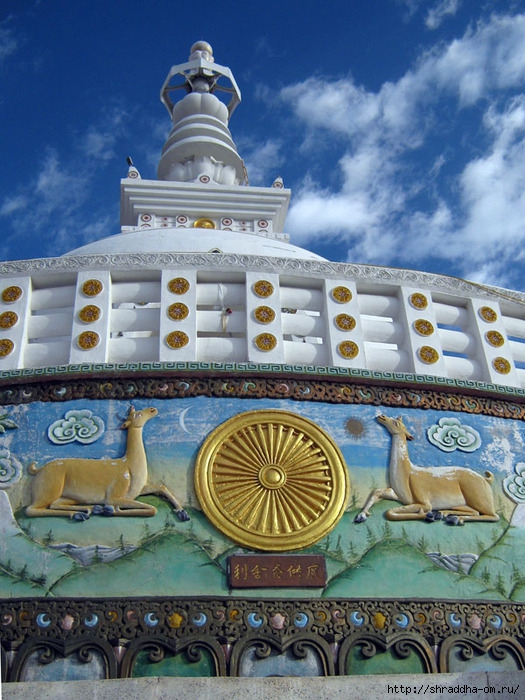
{"points": [[276, 571]]}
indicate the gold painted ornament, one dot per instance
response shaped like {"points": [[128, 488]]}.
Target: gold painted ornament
{"points": [[6, 347], [345, 322], [178, 285], [265, 341], [264, 314], [92, 288], [418, 300], [488, 314], [423, 327], [88, 340], [89, 313], [348, 349], [178, 311], [341, 294], [501, 365], [11, 294], [495, 338], [8, 319], [177, 339], [428, 355], [263, 288], [271, 480], [204, 223]]}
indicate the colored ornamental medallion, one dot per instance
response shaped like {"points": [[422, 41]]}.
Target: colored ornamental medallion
{"points": [[265, 341], [501, 365], [89, 313], [488, 314], [178, 285], [341, 294], [178, 311], [348, 349], [91, 288], [418, 301], [345, 322], [428, 355], [263, 288], [88, 340], [264, 314], [423, 327], [177, 339], [271, 480], [495, 339], [8, 319], [6, 347], [11, 294]]}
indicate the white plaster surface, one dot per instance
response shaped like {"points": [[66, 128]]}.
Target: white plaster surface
{"points": [[487, 686]]}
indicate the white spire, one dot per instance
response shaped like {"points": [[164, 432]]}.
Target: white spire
{"points": [[200, 147]]}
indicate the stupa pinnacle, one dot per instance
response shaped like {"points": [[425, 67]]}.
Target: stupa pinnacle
{"points": [[200, 147]]}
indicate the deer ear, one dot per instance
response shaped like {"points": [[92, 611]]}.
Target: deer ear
{"points": [[125, 425], [410, 436]]}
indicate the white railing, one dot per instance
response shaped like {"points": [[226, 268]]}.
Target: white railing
{"points": [[235, 312]]}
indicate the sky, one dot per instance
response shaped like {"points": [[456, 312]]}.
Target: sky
{"points": [[399, 125]]}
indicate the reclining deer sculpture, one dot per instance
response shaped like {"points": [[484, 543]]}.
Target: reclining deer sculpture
{"points": [[78, 487], [456, 493]]}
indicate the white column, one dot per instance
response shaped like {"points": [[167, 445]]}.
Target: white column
{"points": [[264, 335], [91, 318], [422, 341], [343, 333], [15, 310], [178, 316]]}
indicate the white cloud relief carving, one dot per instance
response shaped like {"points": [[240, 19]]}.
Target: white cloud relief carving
{"points": [[449, 435], [77, 425]]}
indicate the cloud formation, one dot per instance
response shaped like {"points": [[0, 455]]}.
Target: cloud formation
{"points": [[402, 196]]}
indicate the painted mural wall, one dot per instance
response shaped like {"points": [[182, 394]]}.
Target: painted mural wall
{"points": [[110, 553]]}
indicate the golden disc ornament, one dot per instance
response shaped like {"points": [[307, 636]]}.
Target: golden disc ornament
{"points": [[88, 340], [345, 322], [177, 339], [92, 288], [271, 480], [263, 288], [8, 319], [488, 314], [495, 338], [178, 285], [264, 314], [6, 347], [418, 300], [11, 294], [178, 311], [89, 313], [342, 295], [501, 365]]}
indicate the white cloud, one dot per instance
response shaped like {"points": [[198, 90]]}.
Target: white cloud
{"points": [[9, 42], [439, 12], [388, 194], [262, 162]]}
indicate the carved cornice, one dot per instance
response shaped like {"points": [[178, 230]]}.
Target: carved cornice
{"points": [[183, 380], [228, 262], [226, 627]]}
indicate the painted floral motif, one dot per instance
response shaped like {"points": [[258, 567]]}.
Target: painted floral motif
{"points": [[348, 349], [8, 319], [495, 338], [11, 294], [6, 347], [88, 340], [264, 314], [177, 339], [418, 301], [92, 288], [428, 355], [178, 311], [89, 313], [423, 327], [514, 484], [77, 425], [488, 314], [501, 365], [450, 435], [178, 285], [265, 341], [345, 322], [341, 294], [263, 288]]}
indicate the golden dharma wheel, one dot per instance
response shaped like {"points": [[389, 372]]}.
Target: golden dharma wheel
{"points": [[271, 480]]}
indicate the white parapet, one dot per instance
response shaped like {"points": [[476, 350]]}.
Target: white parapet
{"points": [[163, 307]]}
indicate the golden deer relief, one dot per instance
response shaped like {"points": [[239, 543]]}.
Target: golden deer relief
{"points": [[78, 487], [430, 493]]}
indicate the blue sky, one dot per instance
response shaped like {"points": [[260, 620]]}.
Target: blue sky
{"points": [[398, 124]]}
